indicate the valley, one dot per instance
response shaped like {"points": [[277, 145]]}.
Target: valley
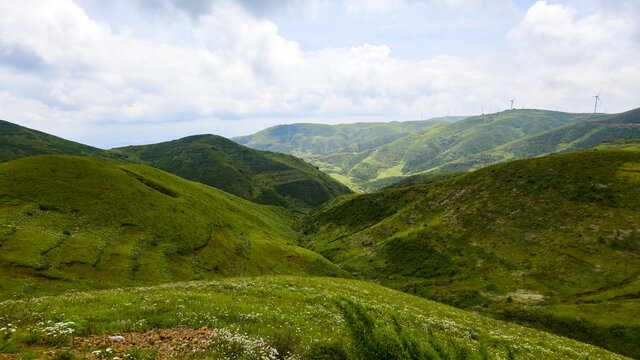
{"points": [[277, 248], [466, 144]]}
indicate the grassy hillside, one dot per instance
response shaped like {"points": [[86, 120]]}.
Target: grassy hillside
{"points": [[259, 176], [253, 318], [17, 142], [551, 241], [432, 149], [570, 137], [321, 139], [262, 177], [80, 222]]}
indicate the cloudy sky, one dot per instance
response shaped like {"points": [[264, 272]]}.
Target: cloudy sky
{"points": [[112, 73]]}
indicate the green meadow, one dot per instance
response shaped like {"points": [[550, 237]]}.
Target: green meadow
{"points": [[300, 317]]}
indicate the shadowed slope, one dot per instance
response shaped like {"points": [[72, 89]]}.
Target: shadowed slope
{"points": [[259, 176]]}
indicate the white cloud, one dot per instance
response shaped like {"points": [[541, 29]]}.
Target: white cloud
{"points": [[64, 69], [568, 56]]}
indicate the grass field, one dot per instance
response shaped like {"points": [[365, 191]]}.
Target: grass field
{"points": [[297, 316]]}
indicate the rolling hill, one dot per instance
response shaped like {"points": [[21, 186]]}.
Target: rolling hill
{"points": [[259, 176], [553, 242], [250, 318], [320, 139], [81, 222], [571, 137], [18, 141], [428, 149]]}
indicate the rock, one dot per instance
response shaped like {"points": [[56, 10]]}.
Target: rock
{"points": [[116, 338]]}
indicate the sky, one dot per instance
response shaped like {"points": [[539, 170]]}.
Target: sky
{"points": [[121, 72]]}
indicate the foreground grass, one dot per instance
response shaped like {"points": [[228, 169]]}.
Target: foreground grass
{"points": [[291, 314]]}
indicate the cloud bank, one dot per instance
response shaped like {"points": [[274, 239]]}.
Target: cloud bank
{"points": [[126, 72]]}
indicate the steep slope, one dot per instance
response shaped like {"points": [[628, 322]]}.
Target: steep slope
{"points": [[552, 241], [83, 222], [18, 141], [321, 139], [570, 137], [433, 148], [259, 176]]}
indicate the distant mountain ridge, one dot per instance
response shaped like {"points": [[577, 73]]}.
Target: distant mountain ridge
{"points": [[321, 139], [571, 137], [443, 147], [263, 177]]}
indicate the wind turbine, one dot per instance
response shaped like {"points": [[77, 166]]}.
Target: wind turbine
{"points": [[597, 97]]}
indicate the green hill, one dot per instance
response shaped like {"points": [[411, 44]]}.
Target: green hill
{"points": [[259, 176], [570, 137], [428, 149], [552, 242], [251, 318], [80, 222], [321, 139], [17, 142]]}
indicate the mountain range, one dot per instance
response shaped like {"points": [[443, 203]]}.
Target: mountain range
{"points": [[463, 145]]}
